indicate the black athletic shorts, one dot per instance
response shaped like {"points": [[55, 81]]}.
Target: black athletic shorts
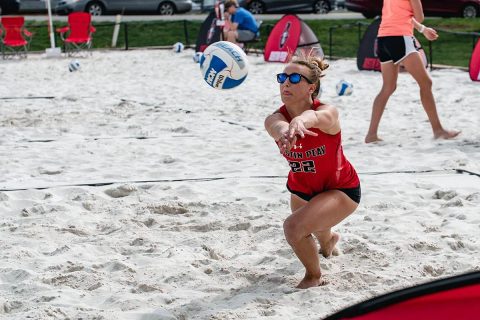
{"points": [[353, 193], [396, 48]]}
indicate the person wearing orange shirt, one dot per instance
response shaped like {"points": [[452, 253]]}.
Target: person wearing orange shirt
{"points": [[396, 44]]}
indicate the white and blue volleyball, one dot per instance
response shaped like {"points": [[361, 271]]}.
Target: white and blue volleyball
{"points": [[197, 56], [344, 88], [178, 47], [224, 65], [74, 65]]}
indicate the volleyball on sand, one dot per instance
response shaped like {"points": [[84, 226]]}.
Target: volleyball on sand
{"points": [[197, 56], [344, 88], [74, 65], [178, 47], [224, 65]]}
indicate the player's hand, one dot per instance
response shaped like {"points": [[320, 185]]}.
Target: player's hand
{"points": [[284, 143], [297, 127], [430, 34]]}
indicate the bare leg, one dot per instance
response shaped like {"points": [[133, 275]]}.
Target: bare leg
{"points": [[326, 239], [232, 36], [319, 214], [414, 65], [389, 75]]}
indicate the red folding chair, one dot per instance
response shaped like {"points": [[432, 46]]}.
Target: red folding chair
{"points": [[77, 36], [15, 38]]}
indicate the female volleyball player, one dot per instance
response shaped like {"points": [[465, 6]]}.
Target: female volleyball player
{"points": [[324, 186], [396, 44]]}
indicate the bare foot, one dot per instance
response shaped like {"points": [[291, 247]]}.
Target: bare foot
{"points": [[446, 134], [309, 281], [372, 138], [329, 249]]}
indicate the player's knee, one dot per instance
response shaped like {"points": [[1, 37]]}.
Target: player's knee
{"points": [[388, 90], [426, 84], [291, 231]]}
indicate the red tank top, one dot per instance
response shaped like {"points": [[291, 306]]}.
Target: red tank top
{"points": [[317, 163]]}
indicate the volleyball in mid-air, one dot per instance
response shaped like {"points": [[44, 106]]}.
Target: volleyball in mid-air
{"points": [[178, 47], [344, 88], [224, 65], [197, 56], [74, 65]]}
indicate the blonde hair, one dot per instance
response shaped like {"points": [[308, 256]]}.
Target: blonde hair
{"points": [[316, 65]]}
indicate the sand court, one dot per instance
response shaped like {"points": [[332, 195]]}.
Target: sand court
{"points": [[162, 198]]}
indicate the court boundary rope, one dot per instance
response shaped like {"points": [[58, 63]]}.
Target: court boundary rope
{"points": [[204, 179]]}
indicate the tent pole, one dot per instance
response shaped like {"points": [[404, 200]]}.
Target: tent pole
{"points": [[52, 51]]}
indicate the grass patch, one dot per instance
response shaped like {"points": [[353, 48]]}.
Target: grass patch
{"points": [[449, 49]]}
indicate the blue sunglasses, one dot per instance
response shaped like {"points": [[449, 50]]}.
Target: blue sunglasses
{"points": [[294, 78]]}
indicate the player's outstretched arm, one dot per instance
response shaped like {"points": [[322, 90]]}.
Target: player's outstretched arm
{"points": [[276, 125], [325, 119]]}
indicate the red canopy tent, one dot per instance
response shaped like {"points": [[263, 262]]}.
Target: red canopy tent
{"points": [[474, 68], [367, 51], [446, 299], [288, 35]]}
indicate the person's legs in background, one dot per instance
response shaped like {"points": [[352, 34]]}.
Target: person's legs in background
{"points": [[390, 76], [414, 65]]}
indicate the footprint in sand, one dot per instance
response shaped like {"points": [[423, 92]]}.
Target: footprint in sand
{"points": [[35, 210], [168, 209], [456, 245], [14, 275], [149, 222], [168, 160], [212, 253], [10, 306], [57, 251], [88, 205], [138, 242], [454, 203], [424, 246], [146, 288], [121, 191], [74, 230], [470, 197], [445, 195], [212, 226], [50, 171], [434, 271], [114, 266], [266, 260], [4, 196], [240, 226]]}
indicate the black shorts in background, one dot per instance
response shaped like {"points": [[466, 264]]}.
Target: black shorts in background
{"points": [[395, 48]]}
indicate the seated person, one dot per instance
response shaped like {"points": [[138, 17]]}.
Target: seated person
{"points": [[242, 23]]}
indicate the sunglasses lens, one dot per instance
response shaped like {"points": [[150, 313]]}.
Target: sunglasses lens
{"points": [[282, 77], [295, 78]]}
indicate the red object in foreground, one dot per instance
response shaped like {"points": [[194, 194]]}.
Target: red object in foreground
{"points": [[452, 298]]}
